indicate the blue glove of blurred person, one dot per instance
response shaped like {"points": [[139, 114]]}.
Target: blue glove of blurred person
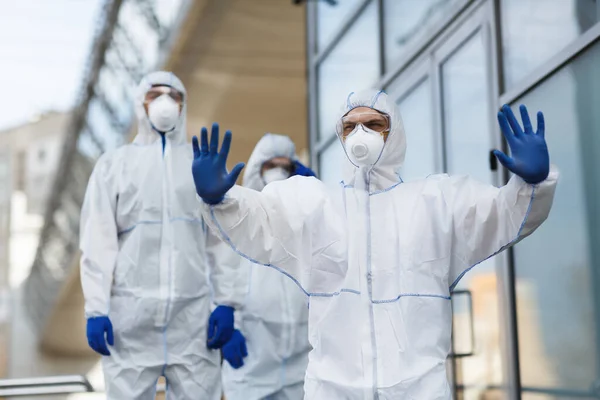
{"points": [[99, 331], [209, 167], [530, 159], [220, 327], [235, 350], [302, 170]]}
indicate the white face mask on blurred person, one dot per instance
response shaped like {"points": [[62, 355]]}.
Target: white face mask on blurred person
{"points": [[163, 113], [275, 174], [364, 146]]}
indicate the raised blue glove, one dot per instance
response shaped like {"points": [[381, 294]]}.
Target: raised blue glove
{"points": [[220, 327], [302, 170], [235, 350], [99, 331], [209, 167], [530, 159]]}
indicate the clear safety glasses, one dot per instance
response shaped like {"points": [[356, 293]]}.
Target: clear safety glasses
{"points": [[373, 121], [157, 91]]}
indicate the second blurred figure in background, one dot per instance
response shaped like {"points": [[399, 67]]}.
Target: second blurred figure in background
{"points": [[274, 320]]}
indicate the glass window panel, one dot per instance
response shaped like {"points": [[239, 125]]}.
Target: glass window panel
{"points": [[533, 31], [465, 99], [352, 66], [331, 164], [407, 21], [330, 18], [558, 267], [417, 116]]}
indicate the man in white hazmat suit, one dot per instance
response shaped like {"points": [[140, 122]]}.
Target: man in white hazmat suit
{"points": [[379, 268], [145, 256], [274, 317]]}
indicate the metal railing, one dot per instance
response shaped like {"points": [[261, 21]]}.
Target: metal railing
{"points": [[50, 385], [44, 386]]}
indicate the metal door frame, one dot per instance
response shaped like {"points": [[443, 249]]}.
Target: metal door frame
{"points": [[478, 18]]}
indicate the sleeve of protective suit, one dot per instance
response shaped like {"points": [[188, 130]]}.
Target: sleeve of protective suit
{"points": [[227, 282], [98, 240], [274, 227], [487, 219]]}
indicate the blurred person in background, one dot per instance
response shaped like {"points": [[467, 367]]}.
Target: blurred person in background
{"points": [[273, 323], [379, 266], [145, 255]]}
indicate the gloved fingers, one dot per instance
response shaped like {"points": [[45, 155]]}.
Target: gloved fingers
{"points": [[195, 147], [92, 344], [227, 334], [225, 147], [240, 355], [214, 341], [505, 128], [239, 362], [512, 120], [505, 160], [235, 173], [104, 350], [235, 360], [99, 346], [541, 124], [211, 330], [527, 128], [109, 334], [214, 139], [204, 141]]}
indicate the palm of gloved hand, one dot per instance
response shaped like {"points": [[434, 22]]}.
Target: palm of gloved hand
{"points": [[302, 170], [209, 167], [220, 327], [100, 331], [235, 350], [530, 159]]}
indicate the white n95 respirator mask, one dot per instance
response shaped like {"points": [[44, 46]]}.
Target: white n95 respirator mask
{"points": [[163, 113], [364, 146], [275, 174]]}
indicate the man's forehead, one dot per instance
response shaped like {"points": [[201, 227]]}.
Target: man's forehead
{"points": [[279, 160], [160, 86]]}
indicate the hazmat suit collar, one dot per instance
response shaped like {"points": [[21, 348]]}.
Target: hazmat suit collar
{"points": [[269, 146], [146, 134], [386, 171]]}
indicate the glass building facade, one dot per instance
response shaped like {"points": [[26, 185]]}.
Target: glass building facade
{"points": [[527, 322]]}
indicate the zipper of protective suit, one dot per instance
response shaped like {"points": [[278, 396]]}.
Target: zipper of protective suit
{"points": [[164, 235], [370, 285]]}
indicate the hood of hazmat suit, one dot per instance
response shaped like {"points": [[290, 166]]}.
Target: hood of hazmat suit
{"points": [[148, 264], [380, 267], [274, 318]]}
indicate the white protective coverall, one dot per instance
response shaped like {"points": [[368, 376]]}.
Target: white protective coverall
{"points": [[274, 318], [380, 267], [145, 264]]}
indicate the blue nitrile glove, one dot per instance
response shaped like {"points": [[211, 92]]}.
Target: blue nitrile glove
{"points": [[302, 170], [235, 350], [530, 159], [209, 167], [220, 327], [97, 328]]}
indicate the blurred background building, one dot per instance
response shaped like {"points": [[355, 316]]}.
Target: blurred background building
{"points": [[527, 323]]}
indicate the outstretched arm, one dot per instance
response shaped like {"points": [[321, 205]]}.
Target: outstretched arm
{"points": [[272, 228], [487, 219]]}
